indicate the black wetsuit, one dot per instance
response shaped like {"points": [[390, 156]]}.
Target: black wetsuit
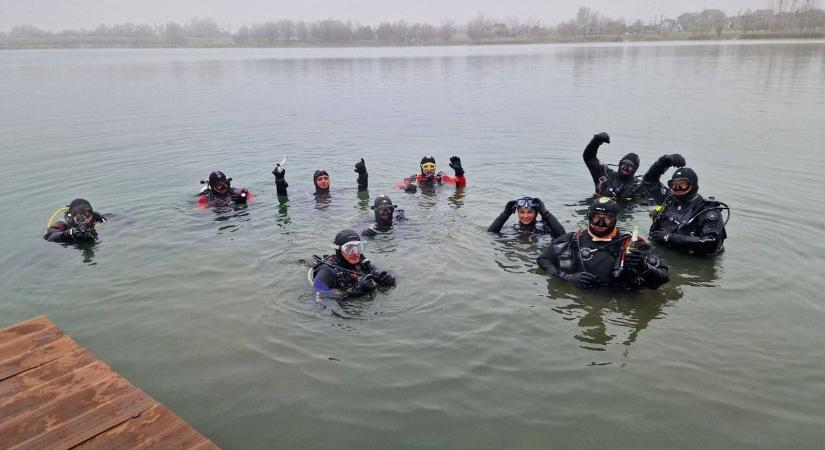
{"points": [[281, 184], [694, 225], [231, 197], [548, 225], [336, 276], [60, 231], [609, 183], [578, 252], [381, 227]]}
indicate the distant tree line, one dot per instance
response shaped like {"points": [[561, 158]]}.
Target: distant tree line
{"points": [[780, 15]]}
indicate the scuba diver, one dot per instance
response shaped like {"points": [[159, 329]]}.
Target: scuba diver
{"points": [[320, 179], [685, 221], [347, 273], [77, 225], [385, 216], [528, 210], [603, 255], [623, 185], [428, 178], [218, 192]]}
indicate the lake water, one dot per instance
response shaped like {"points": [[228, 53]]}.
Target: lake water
{"points": [[211, 313]]}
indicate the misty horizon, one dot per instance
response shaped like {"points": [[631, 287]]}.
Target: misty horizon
{"points": [[55, 16]]}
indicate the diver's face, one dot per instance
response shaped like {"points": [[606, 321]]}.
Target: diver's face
{"points": [[680, 188], [220, 187], [353, 258], [322, 182], [82, 216], [428, 169], [626, 168], [602, 224], [526, 215], [383, 214]]}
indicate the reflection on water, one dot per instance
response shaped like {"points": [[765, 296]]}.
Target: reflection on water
{"points": [[464, 315], [608, 317], [517, 252]]}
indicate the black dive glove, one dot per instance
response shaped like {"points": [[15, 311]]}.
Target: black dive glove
{"points": [[455, 163], [279, 172], [659, 236], [673, 160], [384, 278], [82, 233], [635, 261], [241, 197], [366, 283], [602, 138], [360, 167], [540, 208], [584, 280], [510, 207]]}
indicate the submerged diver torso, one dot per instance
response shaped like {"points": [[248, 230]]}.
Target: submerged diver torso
{"points": [[77, 225], [528, 209], [386, 217], [602, 255], [623, 185], [347, 273], [688, 222], [219, 192], [428, 179]]}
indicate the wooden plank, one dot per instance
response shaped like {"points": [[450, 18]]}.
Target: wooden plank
{"points": [[45, 373], [23, 328], [84, 427], [181, 436], [37, 357], [152, 422], [29, 342], [56, 395], [44, 420], [205, 445], [42, 396]]}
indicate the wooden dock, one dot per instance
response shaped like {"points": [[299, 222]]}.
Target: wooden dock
{"points": [[54, 394]]}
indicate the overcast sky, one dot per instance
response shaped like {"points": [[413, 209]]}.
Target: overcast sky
{"points": [[74, 14]]}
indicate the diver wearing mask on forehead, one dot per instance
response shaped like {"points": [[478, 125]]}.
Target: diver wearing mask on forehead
{"points": [[428, 177], [77, 225], [688, 222], [528, 210], [386, 216], [219, 192], [622, 184], [347, 273], [603, 255]]}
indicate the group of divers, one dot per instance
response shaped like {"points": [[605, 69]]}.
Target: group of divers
{"points": [[600, 255]]}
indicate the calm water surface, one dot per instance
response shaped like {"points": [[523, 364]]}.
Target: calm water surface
{"points": [[211, 313]]}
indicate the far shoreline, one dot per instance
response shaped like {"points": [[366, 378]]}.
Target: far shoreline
{"points": [[100, 42]]}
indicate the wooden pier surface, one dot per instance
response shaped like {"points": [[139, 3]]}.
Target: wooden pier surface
{"points": [[54, 394]]}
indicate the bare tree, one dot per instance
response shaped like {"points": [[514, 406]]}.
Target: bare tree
{"points": [[583, 20], [447, 29], [479, 27]]}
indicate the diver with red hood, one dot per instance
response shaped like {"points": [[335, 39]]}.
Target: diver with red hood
{"points": [[428, 178], [347, 273], [219, 192], [688, 222], [603, 255], [623, 185]]}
